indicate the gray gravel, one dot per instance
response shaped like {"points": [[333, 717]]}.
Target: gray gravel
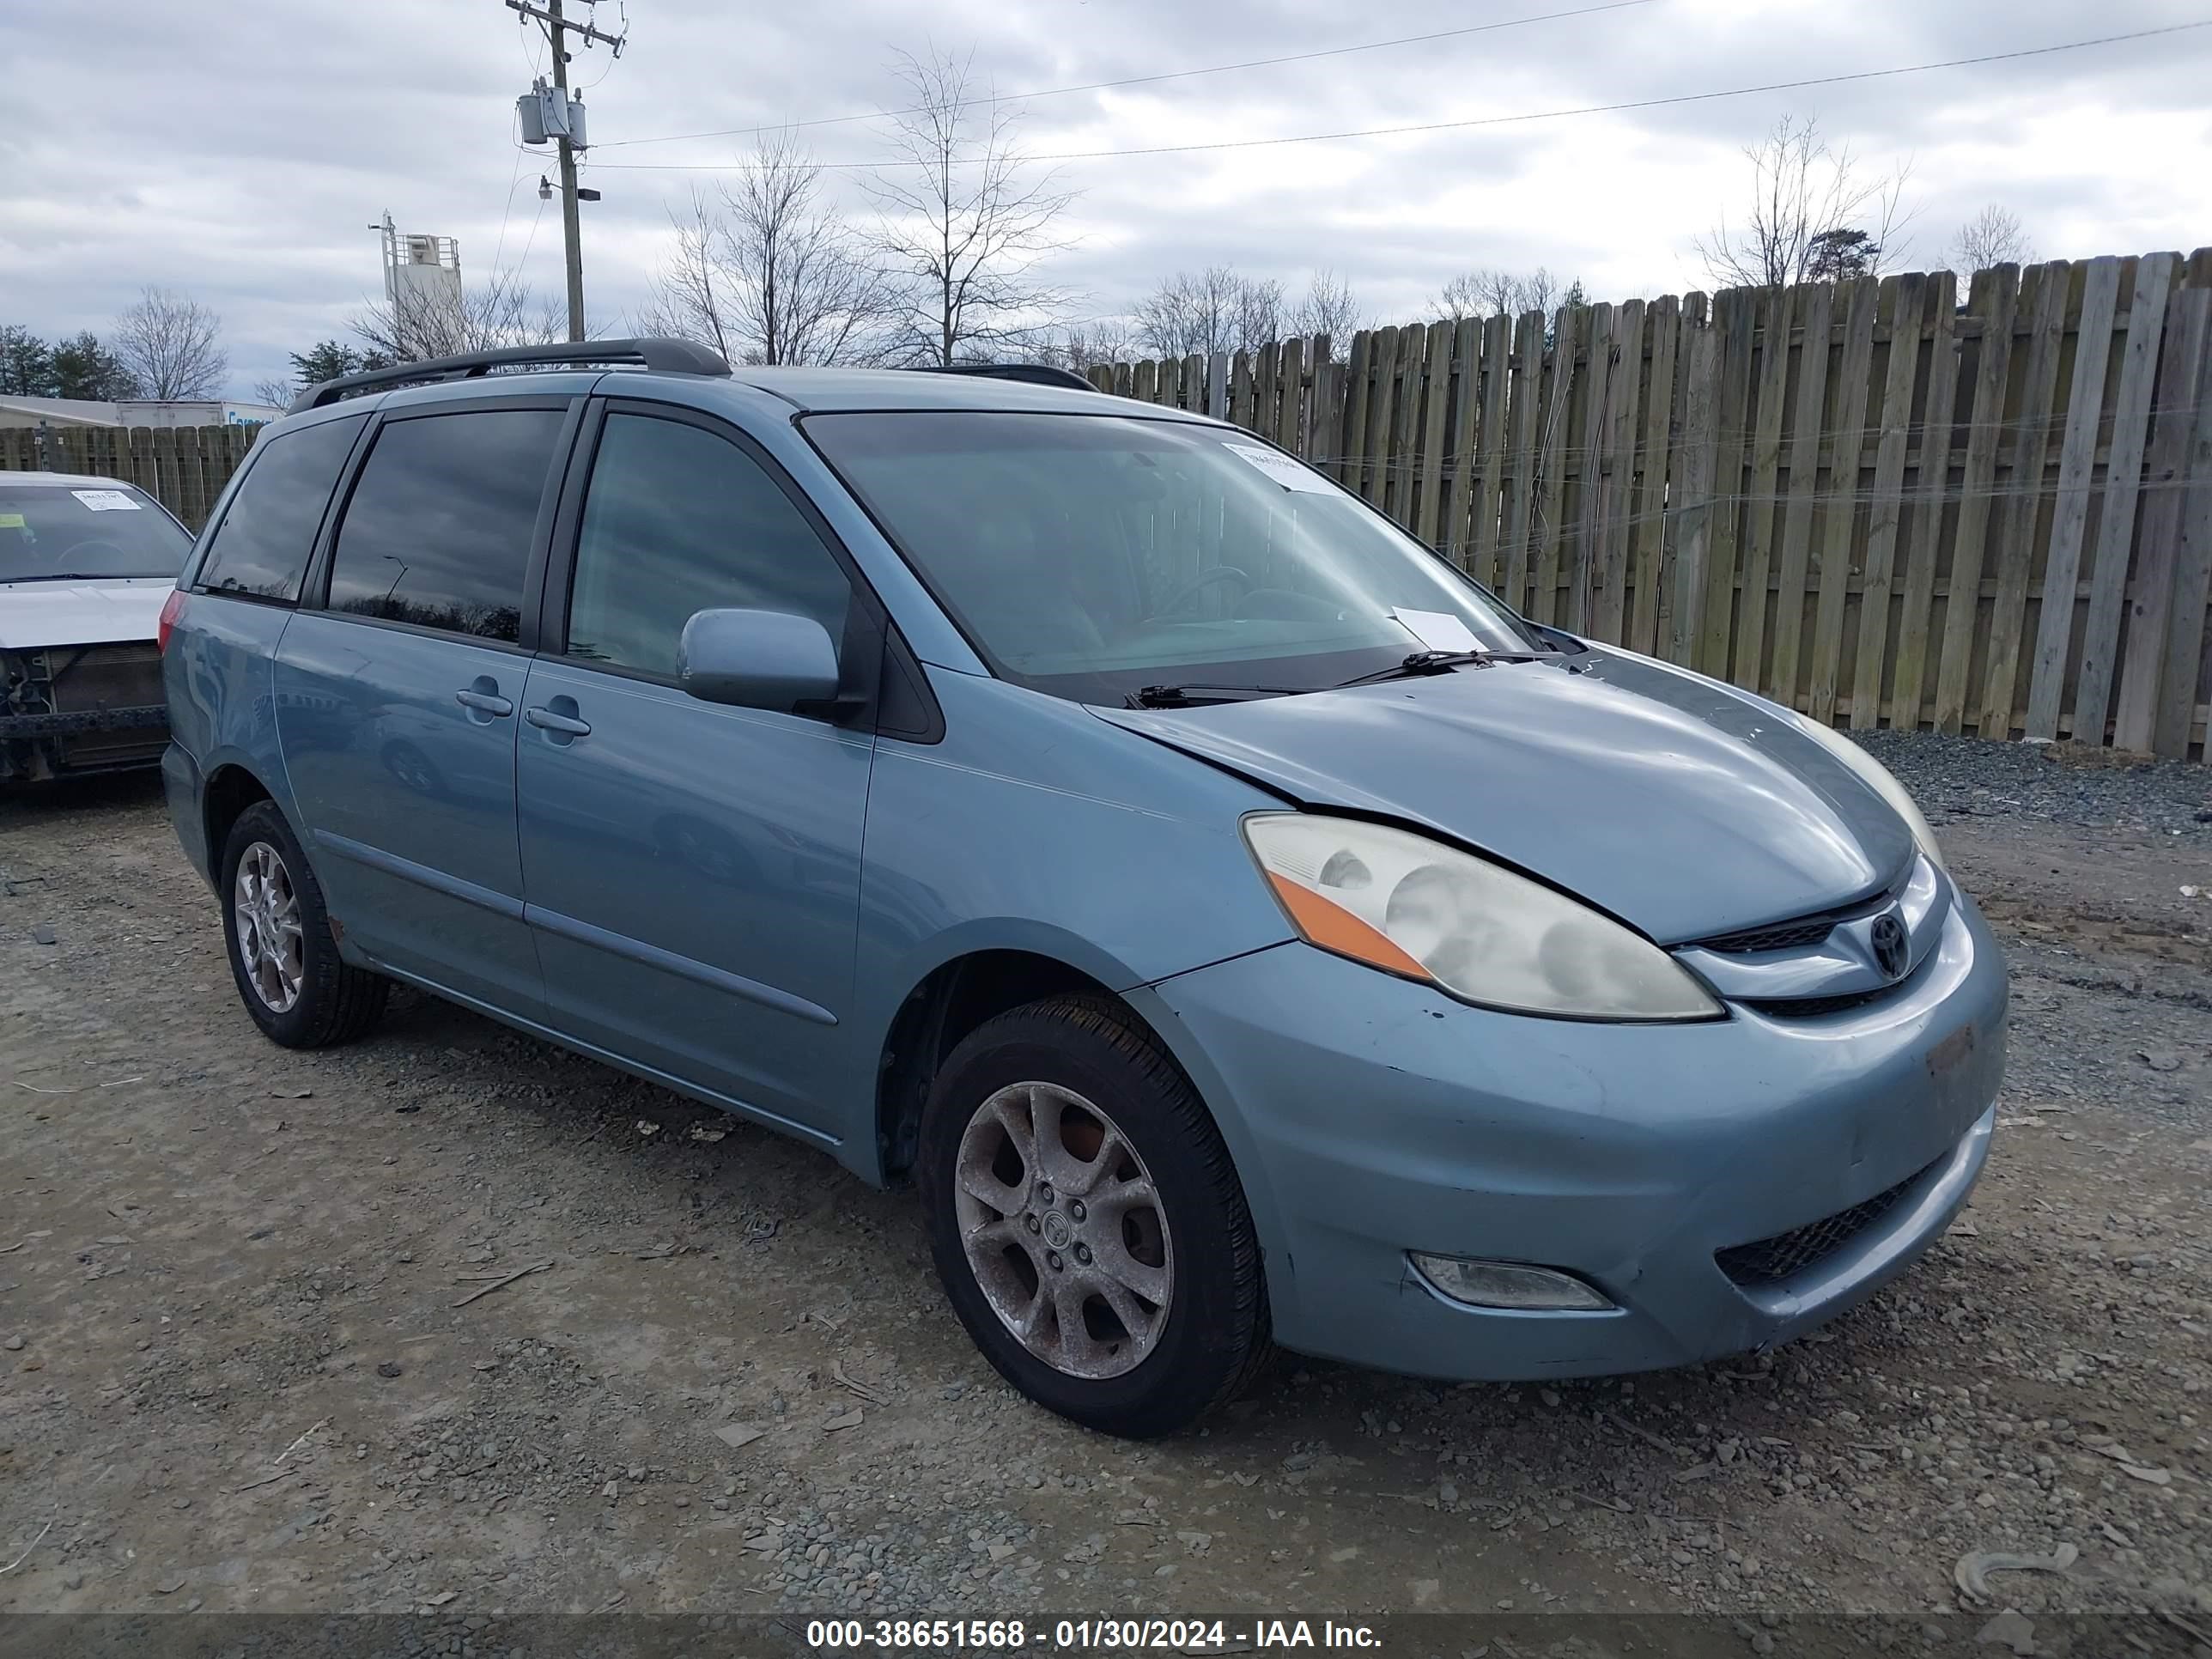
{"points": [[2057, 783]]}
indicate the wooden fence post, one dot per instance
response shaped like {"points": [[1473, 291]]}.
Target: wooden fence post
{"points": [[2166, 489], [1886, 510], [1915, 616], [1796, 562], [1694, 517], [2077, 457], [1996, 296], [2031, 438], [1517, 512], [1652, 462], [1838, 538], [1613, 469]]}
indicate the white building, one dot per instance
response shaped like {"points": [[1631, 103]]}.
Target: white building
{"points": [[79, 411]]}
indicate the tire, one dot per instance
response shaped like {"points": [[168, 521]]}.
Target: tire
{"points": [[1073, 1072], [329, 1002]]}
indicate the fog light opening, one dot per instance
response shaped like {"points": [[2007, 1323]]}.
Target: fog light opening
{"points": [[1510, 1284]]}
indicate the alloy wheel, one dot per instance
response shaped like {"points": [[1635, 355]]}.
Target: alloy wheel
{"points": [[272, 944], [1063, 1230]]}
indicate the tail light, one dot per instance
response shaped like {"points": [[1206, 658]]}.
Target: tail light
{"points": [[172, 608]]}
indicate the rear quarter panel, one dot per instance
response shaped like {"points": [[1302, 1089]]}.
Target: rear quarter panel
{"points": [[218, 676]]}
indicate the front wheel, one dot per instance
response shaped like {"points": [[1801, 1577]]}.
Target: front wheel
{"points": [[283, 953], [1087, 1221]]}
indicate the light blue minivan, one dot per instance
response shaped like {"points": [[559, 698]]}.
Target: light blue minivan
{"points": [[1240, 926]]}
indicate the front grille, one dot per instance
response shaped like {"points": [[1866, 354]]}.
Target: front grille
{"points": [[1782, 936], [1769, 1260], [1806, 1007]]}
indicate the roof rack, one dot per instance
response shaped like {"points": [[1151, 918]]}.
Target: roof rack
{"points": [[1034, 373], [666, 356]]}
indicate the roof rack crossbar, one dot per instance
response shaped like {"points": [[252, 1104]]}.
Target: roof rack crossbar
{"points": [[665, 356], [1034, 373]]}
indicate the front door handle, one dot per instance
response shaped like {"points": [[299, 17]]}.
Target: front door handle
{"points": [[553, 719], [484, 698]]}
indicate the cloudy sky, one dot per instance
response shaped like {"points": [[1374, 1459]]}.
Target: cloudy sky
{"points": [[241, 152]]}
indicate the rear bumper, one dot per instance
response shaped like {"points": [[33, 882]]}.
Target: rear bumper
{"points": [[181, 787], [1373, 1118]]}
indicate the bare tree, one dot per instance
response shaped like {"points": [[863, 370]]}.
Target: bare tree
{"points": [[1082, 347], [966, 219], [1486, 293], [766, 274], [1804, 196], [691, 298], [1991, 237], [278, 392], [1216, 309], [500, 311], [1329, 307], [171, 345]]}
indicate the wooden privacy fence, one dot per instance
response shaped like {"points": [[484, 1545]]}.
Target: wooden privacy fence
{"points": [[183, 467], [1861, 498]]}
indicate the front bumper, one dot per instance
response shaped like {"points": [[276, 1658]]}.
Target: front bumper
{"points": [[71, 723], [81, 742], [1371, 1117]]}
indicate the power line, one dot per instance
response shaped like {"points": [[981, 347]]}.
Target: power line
{"points": [[1150, 79], [1478, 121], [514, 182], [523, 258]]}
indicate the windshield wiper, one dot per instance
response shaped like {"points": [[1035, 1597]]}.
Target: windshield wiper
{"points": [[1186, 696], [1440, 662]]}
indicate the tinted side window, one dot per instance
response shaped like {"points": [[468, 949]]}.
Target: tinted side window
{"points": [[261, 546], [677, 520], [438, 531]]}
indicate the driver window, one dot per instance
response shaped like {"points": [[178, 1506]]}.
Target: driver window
{"points": [[679, 520]]}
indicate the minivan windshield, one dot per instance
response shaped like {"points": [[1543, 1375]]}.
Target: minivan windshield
{"points": [[1095, 557], [59, 532]]}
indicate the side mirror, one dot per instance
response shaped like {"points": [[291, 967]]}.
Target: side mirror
{"points": [[757, 660]]}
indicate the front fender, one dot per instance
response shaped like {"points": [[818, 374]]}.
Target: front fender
{"points": [[1035, 827]]}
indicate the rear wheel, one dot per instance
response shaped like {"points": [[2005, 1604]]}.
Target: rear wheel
{"points": [[1087, 1222], [283, 954]]}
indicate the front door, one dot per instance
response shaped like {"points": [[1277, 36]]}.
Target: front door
{"points": [[692, 871], [397, 700]]}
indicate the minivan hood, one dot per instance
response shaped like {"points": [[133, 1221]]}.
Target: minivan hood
{"points": [[104, 610], [1685, 807]]}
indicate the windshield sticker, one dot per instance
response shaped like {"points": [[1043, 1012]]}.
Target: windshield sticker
{"points": [[12, 521], [106, 500], [1281, 468], [1436, 631]]}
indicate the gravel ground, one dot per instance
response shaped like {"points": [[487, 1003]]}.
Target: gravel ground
{"points": [[240, 1367]]}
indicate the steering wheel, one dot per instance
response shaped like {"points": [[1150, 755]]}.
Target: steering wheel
{"points": [[93, 544], [1198, 585]]}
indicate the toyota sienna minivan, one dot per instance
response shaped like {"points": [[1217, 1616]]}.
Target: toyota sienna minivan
{"points": [[1241, 927]]}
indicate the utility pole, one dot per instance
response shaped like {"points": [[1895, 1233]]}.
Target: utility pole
{"points": [[557, 31]]}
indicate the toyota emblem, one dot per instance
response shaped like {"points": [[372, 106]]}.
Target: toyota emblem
{"points": [[1889, 945]]}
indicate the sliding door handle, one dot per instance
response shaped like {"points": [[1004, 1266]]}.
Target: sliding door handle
{"points": [[548, 719]]}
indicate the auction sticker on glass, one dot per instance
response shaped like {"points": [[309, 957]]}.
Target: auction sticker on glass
{"points": [[106, 500], [1286, 471]]}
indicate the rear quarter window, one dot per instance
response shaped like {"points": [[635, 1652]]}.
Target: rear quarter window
{"points": [[260, 548]]}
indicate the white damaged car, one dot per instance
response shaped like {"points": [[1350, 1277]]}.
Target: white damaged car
{"points": [[86, 565]]}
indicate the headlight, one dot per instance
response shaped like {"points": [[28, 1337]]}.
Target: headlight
{"points": [[1878, 779], [1412, 906]]}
